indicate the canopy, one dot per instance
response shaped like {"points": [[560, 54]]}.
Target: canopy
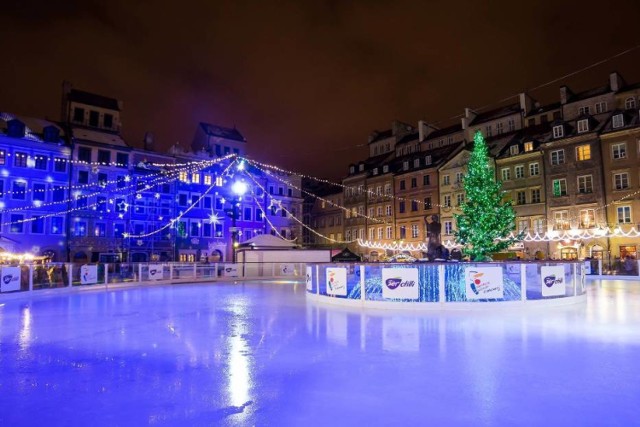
{"points": [[346, 256]]}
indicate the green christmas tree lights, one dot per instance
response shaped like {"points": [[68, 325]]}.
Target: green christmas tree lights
{"points": [[486, 215]]}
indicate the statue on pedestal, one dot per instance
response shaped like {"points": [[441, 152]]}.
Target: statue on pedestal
{"points": [[434, 246]]}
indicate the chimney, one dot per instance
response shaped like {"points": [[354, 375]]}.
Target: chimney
{"points": [[565, 94], [148, 141], [615, 81], [527, 103], [64, 105]]}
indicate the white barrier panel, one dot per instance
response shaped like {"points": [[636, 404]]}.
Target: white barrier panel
{"points": [[88, 274], [10, 279], [553, 281], [484, 282], [156, 272], [337, 281]]}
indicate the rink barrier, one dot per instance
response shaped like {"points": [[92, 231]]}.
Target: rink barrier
{"points": [[37, 277], [450, 285]]}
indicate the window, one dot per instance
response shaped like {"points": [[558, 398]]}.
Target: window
{"points": [[104, 157], [194, 229], [83, 177], [414, 206], [259, 215], [80, 228], [107, 121], [372, 234], [20, 159], [618, 121], [459, 177], [448, 227], [587, 218], [389, 232], [101, 204], [557, 157], [506, 174], [459, 199], [426, 180], [81, 202], [447, 201], [93, 118], [118, 230], [601, 107], [385, 169], [528, 146], [39, 192], [446, 180], [583, 126], [531, 122], [559, 187], [388, 210], [585, 184], [401, 208], [630, 103], [499, 128], [583, 152], [19, 190], [379, 211], [624, 214], [289, 192], [402, 185], [59, 165], [621, 181], [521, 197], [40, 162], [57, 225], [538, 225], [58, 193], [535, 195], [534, 169], [195, 178], [182, 199], [387, 189], [218, 231], [3, 157], [561, 219], [195, 201], [416, 163], [558, 131], [415, 232], [380, 233], [427, 160], [100, 229], [427, 203], [78, 115], [281, 190], [619, 151], [102, 179], [513, 150], [247, 214], [583, 110], [487, 131], [414, 182], [511, 125], [84, 154], [17, 225], [37, 226], [523, 225], [519, 171]]}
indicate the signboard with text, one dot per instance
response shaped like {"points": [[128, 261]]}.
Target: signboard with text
{"points": [[553, 281], [10, 279], [484, 283], [400, 283], [156, 272], [337, 281]]}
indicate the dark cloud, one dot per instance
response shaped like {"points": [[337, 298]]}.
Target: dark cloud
{"points": [[306, 82]]}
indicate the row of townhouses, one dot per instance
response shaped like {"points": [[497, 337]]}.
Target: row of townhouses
{"points": [[572, 165], [75, 190]]}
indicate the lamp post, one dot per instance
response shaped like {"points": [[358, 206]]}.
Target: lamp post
{"points": [[238, 188]]}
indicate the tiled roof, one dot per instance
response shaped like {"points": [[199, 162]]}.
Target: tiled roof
{"points": [[88, 98], [495, 114], [222, 132], [444, 131], [589, 94]]}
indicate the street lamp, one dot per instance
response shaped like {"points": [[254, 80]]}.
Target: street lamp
{"points": [[238, 188]]}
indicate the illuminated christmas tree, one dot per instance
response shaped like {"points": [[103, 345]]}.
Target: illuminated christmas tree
{"points": [[486, 215]]}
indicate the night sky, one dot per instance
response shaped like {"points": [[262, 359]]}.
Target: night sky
{"points": [[304, 81]]}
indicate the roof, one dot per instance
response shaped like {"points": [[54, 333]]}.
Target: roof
{"points": [[544, 108], [222, 132], [34, 127], [99, 137], [630, 120], [409, 138], [88, 98], [495, 114], [589, 94], [267, 241], [529, 134], [444, 131], [378, 135]]}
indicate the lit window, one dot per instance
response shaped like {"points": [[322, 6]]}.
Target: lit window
{"points": [[207, 179], [587, 218], [583, 152], [561, 219], [559, 187], [195, 178], [183, 176], [528, 146]]}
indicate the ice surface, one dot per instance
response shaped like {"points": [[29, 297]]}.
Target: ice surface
{"points": [[260, 354]]}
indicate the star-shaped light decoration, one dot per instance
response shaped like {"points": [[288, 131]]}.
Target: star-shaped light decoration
{"points": [[121, 216], [125, 235], [127, 178], [138, 196], [214, 218], [157, 195]]}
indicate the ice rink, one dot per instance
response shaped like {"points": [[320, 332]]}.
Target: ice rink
{"points": [[260, 354]]}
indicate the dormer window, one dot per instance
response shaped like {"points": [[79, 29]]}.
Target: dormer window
{"points": [[361, 167], [528, 146], [78, 115], [513, 150], [618, 121], [375, 171], [405, 165], [558, 131], [583, 110], [107, 121], [385, 168], [416, 163], [427, 160], [630, 103], [352, 169], [583, 126]]}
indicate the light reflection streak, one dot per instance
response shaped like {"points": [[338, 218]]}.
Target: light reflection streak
{"points": [[25, 329]]}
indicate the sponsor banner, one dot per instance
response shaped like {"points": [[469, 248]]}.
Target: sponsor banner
{"points": [[10, 279], [484, 283], [337, 281], [309, 278], [230, 270], [400, 283], [88, 274], [287, 269], [553, 281], [156, 272]]}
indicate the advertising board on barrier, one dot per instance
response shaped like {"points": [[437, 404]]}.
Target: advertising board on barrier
{"points": [[309, 278], [156, 272], [230, 270], [484, 283], [10, 279], [553, 280], [88, 274], [337, 281], [400, 283]]}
